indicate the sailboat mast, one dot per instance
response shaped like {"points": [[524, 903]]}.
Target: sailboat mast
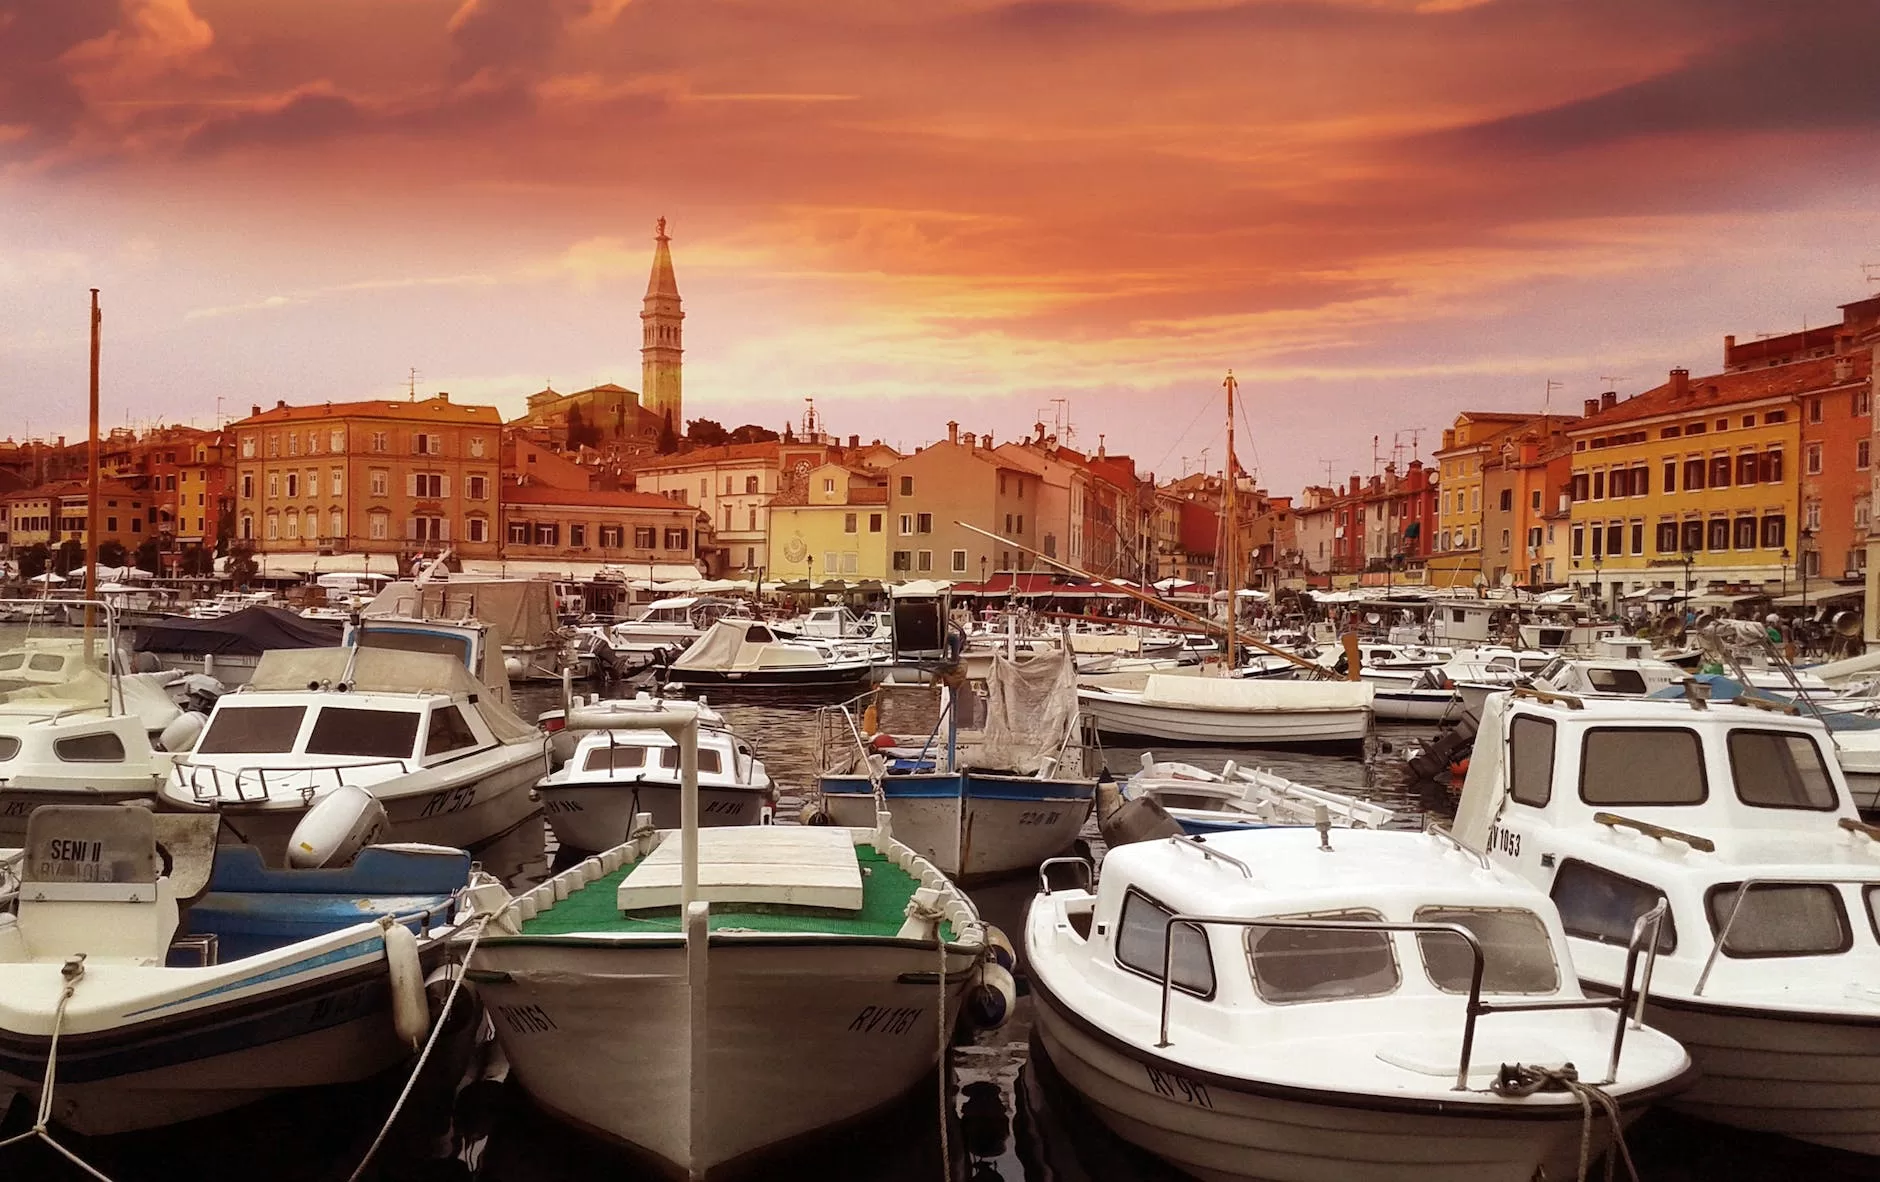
{"points": [[1228, 507], [92, 520]]}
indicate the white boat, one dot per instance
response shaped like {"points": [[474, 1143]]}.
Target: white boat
{"points": [[452, 765], [1230, 711], [671, 624], [1414, 695], [834, 968], [614, 774], [520, 614], [195, 990], [1632, 677], [1239, 797], [1738, 818], [1299, 1006], [747, 653]]}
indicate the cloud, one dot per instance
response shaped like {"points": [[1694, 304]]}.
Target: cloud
{"points": [[38, 99], [320, 114]]}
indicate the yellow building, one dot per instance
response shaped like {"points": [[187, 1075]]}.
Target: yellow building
{"points": [[1689, 482], [834, 524], [1467, 447]]}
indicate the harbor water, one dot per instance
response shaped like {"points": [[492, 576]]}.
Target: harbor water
{"points": [[1007, 1116]]}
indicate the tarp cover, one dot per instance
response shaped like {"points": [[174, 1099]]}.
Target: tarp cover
{"points": [[387, 671], [522, 609], [1030, 707], [246, 633], [729, 645], [1728, 689], [1227, 693]]}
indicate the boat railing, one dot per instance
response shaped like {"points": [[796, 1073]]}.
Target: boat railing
{"points": [[206, 781], [1444, 833], [1659, 832], [1208, 851], [1044, 872], [1742, 894], [1623, 1005]]}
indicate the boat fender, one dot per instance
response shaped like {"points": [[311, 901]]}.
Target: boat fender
{"points": [[999, 948], [182, 732], [336, 828], [993, 995], [514, 667], [411, 1012], [814, 814]]}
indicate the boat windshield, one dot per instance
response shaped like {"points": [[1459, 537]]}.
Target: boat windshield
{"points": [[351, 730], [707, 760], [617, 759], [1295, 964], [1517, 956], [1780, 919], [252, 730], [1779, 770]]}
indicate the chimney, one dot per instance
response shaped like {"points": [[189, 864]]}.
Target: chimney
{"points": [[1449, 438], [855, 441], [1608, 400], [1038, 431], [1729, 346], [988, 441], [443, 395], [254, 409], [1589, 408], [972, 440], [1680, 384], [280, 404], [953, 432]]}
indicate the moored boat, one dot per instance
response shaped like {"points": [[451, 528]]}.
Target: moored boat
{"points": [[1237, 797], [747, 653], [1229, 711]]}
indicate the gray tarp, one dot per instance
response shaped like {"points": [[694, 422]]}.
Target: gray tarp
{"points": [[1030, 708]]}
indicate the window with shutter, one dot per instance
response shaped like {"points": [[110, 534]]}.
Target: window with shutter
{"points": [[443, 486], [411, 528], [411, 484]]}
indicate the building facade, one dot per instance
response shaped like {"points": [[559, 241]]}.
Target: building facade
{"points": [[953, 481], [644, 534], [734, 484], [832, 525]]}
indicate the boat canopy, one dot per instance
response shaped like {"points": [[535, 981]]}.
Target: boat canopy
{"points": [[1031, 706], [1257, 693], [249, 632], [380, 670], [745, 645], [519, 611]]}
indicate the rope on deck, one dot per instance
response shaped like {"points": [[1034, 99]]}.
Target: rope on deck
{"points": [[70, 973], [1525, 1080]]}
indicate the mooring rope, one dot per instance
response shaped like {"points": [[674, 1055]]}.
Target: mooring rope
{"points": [[1525, 1080], [935, 914], [72, 970]]}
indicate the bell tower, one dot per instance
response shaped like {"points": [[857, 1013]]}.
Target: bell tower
{"points": [[661, 323]]}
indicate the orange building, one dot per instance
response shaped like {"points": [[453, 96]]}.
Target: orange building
{"points": [[646, 534]]}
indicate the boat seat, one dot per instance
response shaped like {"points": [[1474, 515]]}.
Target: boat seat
{"points": [[90, 884], [766, 865]]}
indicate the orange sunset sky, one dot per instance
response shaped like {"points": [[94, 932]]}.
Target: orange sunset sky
{"points": [[1374, 211]]}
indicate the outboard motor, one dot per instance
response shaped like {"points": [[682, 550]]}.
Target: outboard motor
{"points": [[336, 828]]}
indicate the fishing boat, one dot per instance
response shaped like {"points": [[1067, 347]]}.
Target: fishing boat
{"points": [[1301, 1006], [661, 993], [181, 979], [1737, 820], [452, 765], [1237, 797], [1222, 711], [996, 788], [614, 774], [747, 653]]}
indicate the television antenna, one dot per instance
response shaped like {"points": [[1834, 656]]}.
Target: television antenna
{"points": [[1547, 395], [411, 388]]}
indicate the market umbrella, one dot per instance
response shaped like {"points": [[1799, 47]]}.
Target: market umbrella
{"points": [[48, 578]]}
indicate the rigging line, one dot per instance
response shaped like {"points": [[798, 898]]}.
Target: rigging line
{"points": [[1252, 446], [1201, 410]]}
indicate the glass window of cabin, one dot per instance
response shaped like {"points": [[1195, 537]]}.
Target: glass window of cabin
{"points": [[103, 747], [252, 730], [1531, 760], [1517, 956], [1779, 919], [1779, 770], [46, 663], [618, 759], [450, 731], [1296, 964], [1142, 938], [758, 634], [9, 747], [376, 734], [1642, 766], [707, 760], [11, 661], [1598, 905], [1616, 681]]}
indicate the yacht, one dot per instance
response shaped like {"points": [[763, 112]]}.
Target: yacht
{"points": [[1737, 820], [747, 653], [1300, 1006], [671, 624]]}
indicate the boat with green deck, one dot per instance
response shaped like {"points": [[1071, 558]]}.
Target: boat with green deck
{"points": [[822, 965]]}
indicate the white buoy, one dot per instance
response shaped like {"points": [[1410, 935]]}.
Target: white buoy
{"points": [[411, 1011], [999, 947], [993, 995]]}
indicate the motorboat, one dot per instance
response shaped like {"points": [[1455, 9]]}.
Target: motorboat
{"points": [[747, 653], [451, 764], [613, 774], [519, 613], [227, 603], [998, 785], [1295, 1005], [177, 978], [670, 624], [1237, 797], [1601, 676], [1233, 711], [1739, 822], [1413, 695], [1491, 669], [661, 992], [228, 647]]}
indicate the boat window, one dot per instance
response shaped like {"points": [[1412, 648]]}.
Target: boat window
{"points": [[9, 747], [616, 759], [1642, 766], [252, 730], [348, 730], [449, 732], [1598, 905], [1517, 956], [1531, 760], [456, 648], [1779, 770], [758, 634], [46, 663], [1294, 964], [11, 660], [1779, 919], [103, 747], [707, 760], [1554, 669], [1141, 939], [1615, 681]]}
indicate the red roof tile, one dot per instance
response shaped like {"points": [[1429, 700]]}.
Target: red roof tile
{"points": [[1728, 389]]}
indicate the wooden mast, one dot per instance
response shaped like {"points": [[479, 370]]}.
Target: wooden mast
{"points": [[1227, 508], [91, 497]]}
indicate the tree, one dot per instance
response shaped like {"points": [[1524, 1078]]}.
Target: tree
{"points": [[113, 553], [69, 557], [706, 433], [197, 561], [620, 419], [242, 567], [149, 557], [577, 427], [34, 560], [752, 433], [668, 440], [789, 433]]}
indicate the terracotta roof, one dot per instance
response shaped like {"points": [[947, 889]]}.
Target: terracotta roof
{"points": [[539, 494], [868, 494], [716, 455], [1728, 389], [70, 488], [431, 410]]}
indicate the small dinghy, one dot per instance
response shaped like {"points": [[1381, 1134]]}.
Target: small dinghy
{"points": [[1231, 711], [615, 773], [1365, 1005], [1238, 797], [181, 979]]}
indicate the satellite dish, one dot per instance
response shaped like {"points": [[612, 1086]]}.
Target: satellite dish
{"points": [[1480, 579], [1507, 579]]}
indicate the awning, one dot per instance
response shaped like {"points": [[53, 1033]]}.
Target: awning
{"points": [[636, 573], [1726, 599], [293, 566], [1816, 598]]}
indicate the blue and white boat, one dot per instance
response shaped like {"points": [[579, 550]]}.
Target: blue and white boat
{"points": [[180, 978], [996, 788]]}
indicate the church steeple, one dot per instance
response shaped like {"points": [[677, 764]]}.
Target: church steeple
{"points": [[661, 331]]}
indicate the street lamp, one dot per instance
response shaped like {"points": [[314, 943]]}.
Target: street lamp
{"points": [[1785, 572], [1805, 543], [1599, 591], [1690, 556]]}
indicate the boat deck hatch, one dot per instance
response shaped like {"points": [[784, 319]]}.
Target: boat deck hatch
{"points": [[753, 865]]}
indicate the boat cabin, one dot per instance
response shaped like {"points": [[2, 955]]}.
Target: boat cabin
{"points": [[1629, 677]]}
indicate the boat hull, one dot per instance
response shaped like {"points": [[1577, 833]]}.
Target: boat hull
{"points": [[1416, 705], [971, 825], [808, 676], [594, 1030], [1215, 1130], [1181, 724], [594, 817], [17, 803]]}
